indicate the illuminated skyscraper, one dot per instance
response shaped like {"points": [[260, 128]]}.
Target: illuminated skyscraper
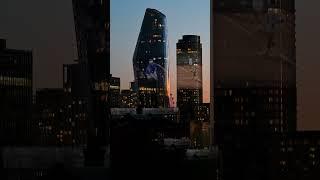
{"points": [[253, 80], [189, 78], [92, 24], [189, 70], [150, 60]]}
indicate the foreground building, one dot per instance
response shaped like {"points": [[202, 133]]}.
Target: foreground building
{"points": [[253, 80], [16, 95], [92, 24], [295, 155]]}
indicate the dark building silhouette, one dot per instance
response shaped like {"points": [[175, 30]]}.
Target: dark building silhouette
{"points": [[60, 118], [167, 114], [254, 81], [141, 147], [92, 24], [115, 92], [16, 95], [189, 79], [150, 61]]}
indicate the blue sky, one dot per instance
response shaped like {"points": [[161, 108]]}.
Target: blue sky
{"points": [[183, 17]]}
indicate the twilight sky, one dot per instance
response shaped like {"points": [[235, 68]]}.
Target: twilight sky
{"points": [[47, 28]]}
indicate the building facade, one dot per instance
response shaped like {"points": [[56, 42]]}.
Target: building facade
{"points": [[189, 71], [253, 80], [92, 24], [15, 94], [150, 61], [60, 118], [295, 155], [189, 80]]}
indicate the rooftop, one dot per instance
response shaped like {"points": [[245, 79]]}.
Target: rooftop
{"points": [[150, 10]]}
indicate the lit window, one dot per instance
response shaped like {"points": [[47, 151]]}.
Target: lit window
{"points": [[283, 163]]}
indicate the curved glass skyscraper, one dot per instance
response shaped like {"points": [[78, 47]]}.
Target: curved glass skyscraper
{"points": [[150, 61]]}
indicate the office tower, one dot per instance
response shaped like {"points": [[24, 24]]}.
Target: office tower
{"points": [[114, 92], [253, 80], [150, 61], [189, 79], [15, 95], [92, 24]]}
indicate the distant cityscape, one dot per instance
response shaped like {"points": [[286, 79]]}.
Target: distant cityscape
{"points": [[93, 129]]}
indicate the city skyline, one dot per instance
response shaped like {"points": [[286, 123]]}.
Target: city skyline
{"points": [[207, 89], [53, 22], [125, 27]]}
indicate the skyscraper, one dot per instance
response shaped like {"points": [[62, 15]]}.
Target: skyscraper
{"points": [[92, 24], [150, 60], [189, 78], [15, 95], [253, 80]]}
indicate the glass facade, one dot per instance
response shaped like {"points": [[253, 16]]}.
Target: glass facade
{"points": [[150, 60], [254, 64], [189, 82], [189, 63], [254, 87], [189, 71]]}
